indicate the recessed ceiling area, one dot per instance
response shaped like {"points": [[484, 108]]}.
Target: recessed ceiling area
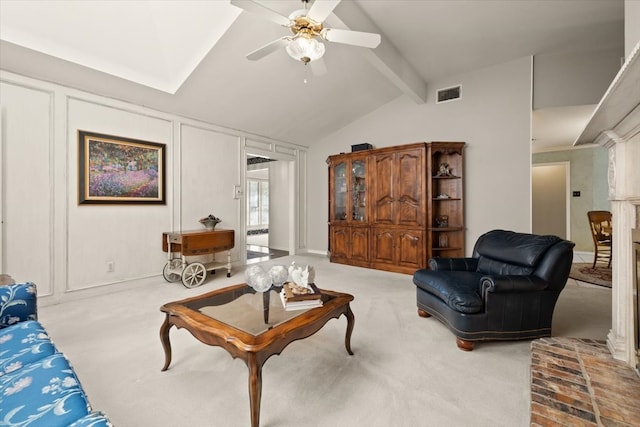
{"points": [[559, 126], [154, 43]]}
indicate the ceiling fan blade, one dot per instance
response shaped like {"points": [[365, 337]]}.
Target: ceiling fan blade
{"points": [[318, 67], [267, 49], [321, 9], [257, 8], [356, 38]]}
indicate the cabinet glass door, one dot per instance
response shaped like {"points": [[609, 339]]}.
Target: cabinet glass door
{"points": [[358, 190], [340, 192]]}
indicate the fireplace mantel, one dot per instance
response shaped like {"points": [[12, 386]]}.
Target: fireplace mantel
{"points": [[615, 125]]}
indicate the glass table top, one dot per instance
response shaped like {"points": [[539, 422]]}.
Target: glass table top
{"points": [[247, 310]]}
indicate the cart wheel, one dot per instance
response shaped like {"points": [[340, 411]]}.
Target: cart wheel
{"points": [[173, 264], [193, 275]]}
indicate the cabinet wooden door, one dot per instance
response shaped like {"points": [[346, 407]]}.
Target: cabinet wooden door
{"points": [[338, 179], [398, 192], [410, 249], [340, 242], [383, 198], [350, 245], [382, 246], [348, 188], [398, 247], [409, 192]]}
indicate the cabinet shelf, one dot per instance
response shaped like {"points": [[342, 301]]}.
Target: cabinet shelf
{"points": [[446, 228], [448, 199], [446, 177], [451, 248]]}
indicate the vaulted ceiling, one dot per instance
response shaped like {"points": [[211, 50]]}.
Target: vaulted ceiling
{"points": [[188, 57]]}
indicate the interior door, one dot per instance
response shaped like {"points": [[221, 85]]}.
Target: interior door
{"points": [[550, 199]]}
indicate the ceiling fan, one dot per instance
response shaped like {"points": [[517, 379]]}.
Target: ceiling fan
{"points": [[306, 26]]}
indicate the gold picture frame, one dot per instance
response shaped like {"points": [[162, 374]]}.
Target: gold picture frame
{"points": [[114, 169]]}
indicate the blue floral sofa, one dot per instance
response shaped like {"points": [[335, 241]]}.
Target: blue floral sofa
{"points": [[38, 386]]}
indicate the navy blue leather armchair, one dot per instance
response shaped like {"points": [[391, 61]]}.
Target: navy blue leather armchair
{"points": [[507, 290]]}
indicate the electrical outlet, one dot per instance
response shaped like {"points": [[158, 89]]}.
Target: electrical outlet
{"points": [[111, 266]]}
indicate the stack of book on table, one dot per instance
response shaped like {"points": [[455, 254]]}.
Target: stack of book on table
{"points": [[296, 297]]}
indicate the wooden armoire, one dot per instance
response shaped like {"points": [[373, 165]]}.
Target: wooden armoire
{"points": [[393, 208]]}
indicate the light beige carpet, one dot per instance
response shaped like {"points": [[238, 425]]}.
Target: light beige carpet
{"points": [[406, 371]]}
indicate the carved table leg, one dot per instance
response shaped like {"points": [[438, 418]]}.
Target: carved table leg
{"points": [[350, 323], [255, 388], [164, 338]]}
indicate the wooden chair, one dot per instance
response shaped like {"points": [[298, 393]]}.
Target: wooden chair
{"points": [[601, 232]]}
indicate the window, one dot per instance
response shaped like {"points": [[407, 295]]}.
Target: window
{"points": [[258, 202]]}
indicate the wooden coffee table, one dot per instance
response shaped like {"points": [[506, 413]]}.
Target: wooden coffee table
{"points": [[252, 326]]}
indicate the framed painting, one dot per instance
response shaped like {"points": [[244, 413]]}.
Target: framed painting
{"points": [[113, 169]]}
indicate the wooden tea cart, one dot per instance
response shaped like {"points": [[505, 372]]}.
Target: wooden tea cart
{"points": [[193, 243]]}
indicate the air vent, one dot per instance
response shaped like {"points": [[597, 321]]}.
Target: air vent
{"points": [[449, 94]]}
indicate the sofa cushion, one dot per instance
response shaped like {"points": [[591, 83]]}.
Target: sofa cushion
{"points": [[458, 289], [17, 303], [23, 343], [43, 393]]}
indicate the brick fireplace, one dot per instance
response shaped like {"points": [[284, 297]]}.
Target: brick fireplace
{"points": [[615, 125]]}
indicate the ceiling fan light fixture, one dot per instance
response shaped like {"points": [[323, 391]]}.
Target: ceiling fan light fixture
{"points": [[305, 49]]}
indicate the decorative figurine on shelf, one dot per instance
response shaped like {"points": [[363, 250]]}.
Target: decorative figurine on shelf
{"points": [[210, 222], [442, 196], [444, 170], [442, 220]]}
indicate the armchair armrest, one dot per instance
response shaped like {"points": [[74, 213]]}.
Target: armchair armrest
{"points": [[453, 264], [512, 284], [18, 302]]}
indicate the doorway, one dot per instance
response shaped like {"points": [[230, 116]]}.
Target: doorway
{"points": [[550, 199], [267, 213]]}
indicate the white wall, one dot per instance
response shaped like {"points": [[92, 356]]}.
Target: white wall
{"points": [[209, 168], [101, 233], [28, 168], [493, 118], [48, 238]]}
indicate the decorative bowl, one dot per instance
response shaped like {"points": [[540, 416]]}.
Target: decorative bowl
{"points": [[210, 222]]}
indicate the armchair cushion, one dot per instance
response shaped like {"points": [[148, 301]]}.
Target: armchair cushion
{"points": [[17, 303], [458, 289], [507, 252]]}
